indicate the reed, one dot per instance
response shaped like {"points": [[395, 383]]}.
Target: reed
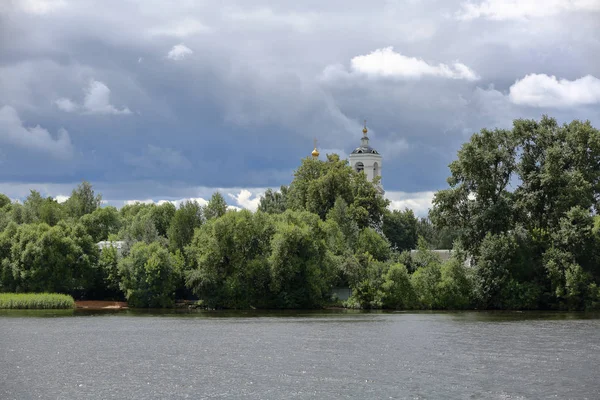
{"points": [[37, 301]]}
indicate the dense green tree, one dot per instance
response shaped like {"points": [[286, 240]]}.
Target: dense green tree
{"points": [[478, 201], [4, 201], [301, 266], [181, 230], [140, 228], [108, 265], [83, 200], [53, 259], [318, 184], [400, 228], [216, 207], [147, 276], [162, 215], [102, 222], [346, 224], [398, 292], [366, 277], [230, 267], [371, 242], [274, 202]]}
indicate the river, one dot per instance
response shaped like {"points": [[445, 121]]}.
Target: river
{"points": [[298, 355]]}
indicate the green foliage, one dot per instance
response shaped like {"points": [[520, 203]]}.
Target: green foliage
{"points": [[455, 288], [53, 259], [216, 207], [426, 281], [273, 202], [371, 242], [82, 201], [162, 215], [230, 256], [301, 267], [36, 301], [181, 230], [4, 201], [102, 222], [318, 184], [400, 228], [108, 264], [147, 276], [397, 288], [366, 279], [535, 243]]}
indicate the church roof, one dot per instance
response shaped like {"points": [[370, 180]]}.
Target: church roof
{"points": [[365, 150]]}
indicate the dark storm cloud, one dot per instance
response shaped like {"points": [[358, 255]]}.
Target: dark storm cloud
{"points": [[194, 95]]}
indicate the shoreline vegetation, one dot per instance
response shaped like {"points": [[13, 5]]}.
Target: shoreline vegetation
{"points": [[36, 301], [520, 213]]}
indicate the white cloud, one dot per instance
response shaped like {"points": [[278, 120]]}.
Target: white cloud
{"points": [[419, 202], [183, 28], [12, 131], [522, 9], [387, 63], [61, 198], [179, 52], [540, 90], [96, 101], [40, 6], [244, 199], [66, 105]]}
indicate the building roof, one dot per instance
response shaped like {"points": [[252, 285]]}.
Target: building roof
{"points": [[365, 150]]}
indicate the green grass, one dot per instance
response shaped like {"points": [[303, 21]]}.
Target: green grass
{"points": [[37, 301]]}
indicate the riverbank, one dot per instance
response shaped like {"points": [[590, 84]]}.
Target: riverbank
{"points": [[101, 305]]}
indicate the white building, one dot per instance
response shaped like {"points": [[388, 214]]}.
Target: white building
{"points": [[366, 158]]}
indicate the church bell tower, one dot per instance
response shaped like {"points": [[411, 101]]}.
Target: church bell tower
{"points": [[366, 159]]}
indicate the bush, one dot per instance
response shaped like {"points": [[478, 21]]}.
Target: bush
{"points": [[36, 301]]}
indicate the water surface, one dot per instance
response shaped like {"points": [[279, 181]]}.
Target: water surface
{"points": [[298, 355]]}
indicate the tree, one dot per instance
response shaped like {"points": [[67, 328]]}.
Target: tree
{"points": [[371, 242], [300, 265], [347, 225], [161, 216], [398, 292], [216, 207], [318, 184], [83, 200], [273, 202], [53, 259], [400, 228], [102, 222], [478, 201], [229, 255], [4, 201], [147, 276], [181, 231]]}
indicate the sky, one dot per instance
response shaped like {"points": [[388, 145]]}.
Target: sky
{"points": [[157, 100]]}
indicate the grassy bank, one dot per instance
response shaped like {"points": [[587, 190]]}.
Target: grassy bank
{"points": [[35, 301]]}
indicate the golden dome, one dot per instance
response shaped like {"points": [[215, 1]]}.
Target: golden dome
{"points": [[315, 153], [365, 130]]}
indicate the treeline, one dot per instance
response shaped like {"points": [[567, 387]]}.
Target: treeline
{"points": [[520, 214]]}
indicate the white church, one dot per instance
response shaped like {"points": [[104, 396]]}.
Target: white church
{"points": [[364, 159]]}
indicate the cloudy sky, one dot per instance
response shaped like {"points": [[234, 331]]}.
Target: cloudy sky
{"points": [[153, 100]]}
